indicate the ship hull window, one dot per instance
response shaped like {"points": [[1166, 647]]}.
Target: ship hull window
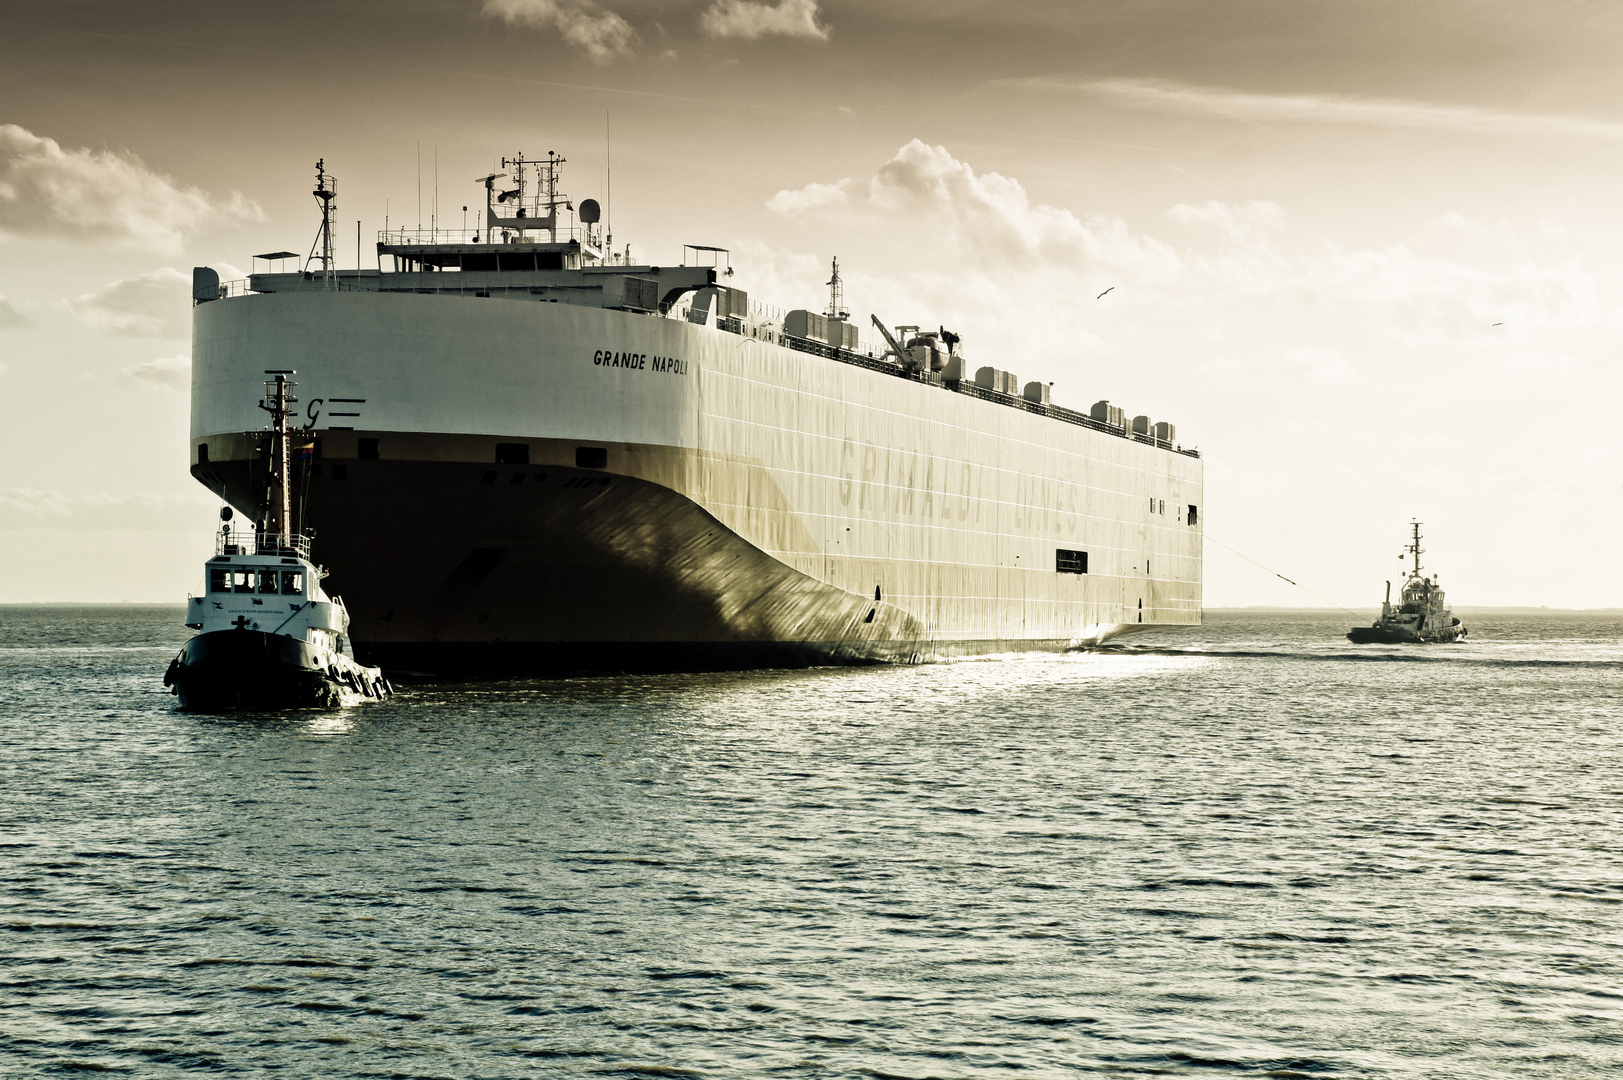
{"points": [[202, 453], [591, 457], [366, 449], [512, 453], [1194, 514], [1070, 562]]}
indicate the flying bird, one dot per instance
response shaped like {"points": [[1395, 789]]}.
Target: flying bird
{"points": [[1498, 324], [1101, 296]]}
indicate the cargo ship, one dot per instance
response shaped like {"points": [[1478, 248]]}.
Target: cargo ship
{"points": [[534, 454]]}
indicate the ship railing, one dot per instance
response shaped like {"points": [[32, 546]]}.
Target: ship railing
{"points": [[260, 543], [235, 287], [479, 235], [343, 281]]}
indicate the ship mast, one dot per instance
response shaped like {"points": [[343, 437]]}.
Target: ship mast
{"points": [[1414, 547], [836, 294], [279, 401], [326, 191]]}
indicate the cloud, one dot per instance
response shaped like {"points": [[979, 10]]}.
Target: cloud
{"points": [[602, 36], [10, 317], [1240, 223], [810, 199], [152, 305], [1164, 96], [749, 20], [171, 372], [989, 216], [100, 195]]}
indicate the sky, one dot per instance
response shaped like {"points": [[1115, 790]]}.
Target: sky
{"points": [[1367, 256]]}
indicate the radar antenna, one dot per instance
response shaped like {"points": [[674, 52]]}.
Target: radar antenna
{"points": [[836, 294], [326, 191]]}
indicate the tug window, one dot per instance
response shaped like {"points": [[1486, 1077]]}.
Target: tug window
{"points": [[219, 579], [267, 581], [242, 581], [292, 582]]}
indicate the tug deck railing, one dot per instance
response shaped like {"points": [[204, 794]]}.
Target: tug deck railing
{"points": [[260, 543]]}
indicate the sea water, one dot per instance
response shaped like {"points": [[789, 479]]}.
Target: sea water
{"points": [[1245, 849]]}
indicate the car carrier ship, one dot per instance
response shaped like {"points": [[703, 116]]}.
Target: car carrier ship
{"points": [[529, 453]]}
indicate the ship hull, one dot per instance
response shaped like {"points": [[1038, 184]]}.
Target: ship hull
{"points": [[1385, 635], [251, 670], [743, 506]]}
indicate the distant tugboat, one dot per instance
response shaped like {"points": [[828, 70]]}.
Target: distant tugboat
{"points": [[270, 638], [1422, 615]]}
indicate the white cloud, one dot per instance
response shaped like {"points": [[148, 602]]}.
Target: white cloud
{"points": [[10, 317], [157, 304], [810, 199], [990, 217], [99, 195], [1237, 222], [170, 372], [600, 35], [749, 20], [1164, 96]]}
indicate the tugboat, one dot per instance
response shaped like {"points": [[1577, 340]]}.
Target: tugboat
{"points": [[270, 636], [1422, 615]]}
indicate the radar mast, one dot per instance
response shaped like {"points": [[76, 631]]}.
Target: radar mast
{"points": [[326, 191], [279, 401], [1414, 548], [836, 294], [539, 211]]}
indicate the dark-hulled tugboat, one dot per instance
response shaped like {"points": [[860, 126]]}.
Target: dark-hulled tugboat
{"points": [[1421, 616], [270, 637]]}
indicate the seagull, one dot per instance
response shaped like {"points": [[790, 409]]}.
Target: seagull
{"points": [[1101, 296], [1498, 324]]}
